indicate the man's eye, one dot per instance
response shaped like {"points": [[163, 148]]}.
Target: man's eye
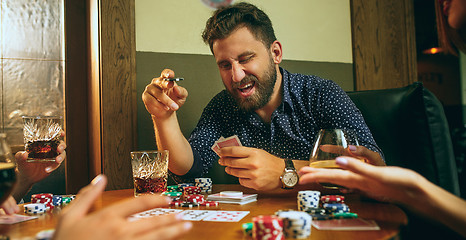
{"points": [[245, 60], [224, 66]]}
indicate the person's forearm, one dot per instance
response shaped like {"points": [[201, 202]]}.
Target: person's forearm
{"points": [[22, 186], [442, 206], [169, 137]]}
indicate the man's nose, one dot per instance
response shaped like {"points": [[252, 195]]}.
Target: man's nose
{"points": [[237, 72]]}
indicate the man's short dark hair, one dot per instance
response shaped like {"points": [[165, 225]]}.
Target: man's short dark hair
{"points": [[226, 20]]}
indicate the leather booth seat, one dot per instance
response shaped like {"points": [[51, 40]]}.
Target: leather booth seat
{"points": [[410, 127]]}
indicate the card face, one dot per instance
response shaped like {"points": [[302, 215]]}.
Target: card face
{"points": [[353, 224], [15, 218], [226, 216], [153, 212], [196, 215]]}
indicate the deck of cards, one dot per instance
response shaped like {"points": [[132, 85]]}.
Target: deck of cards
{"points": [[225, 142]]}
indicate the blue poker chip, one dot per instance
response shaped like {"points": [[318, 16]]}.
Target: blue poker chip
{"points": [[336, 207]]}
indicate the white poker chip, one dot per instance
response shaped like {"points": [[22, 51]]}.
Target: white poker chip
{"points": [[231, 194], [45, 234]]}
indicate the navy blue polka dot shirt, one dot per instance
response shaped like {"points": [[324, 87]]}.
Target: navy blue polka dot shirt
{"points": [[309, 104]]}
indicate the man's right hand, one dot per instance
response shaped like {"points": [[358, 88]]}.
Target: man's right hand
{"points": [[162, 97]]}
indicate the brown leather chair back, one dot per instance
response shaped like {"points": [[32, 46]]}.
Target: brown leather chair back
{"points": [[410, 127]]}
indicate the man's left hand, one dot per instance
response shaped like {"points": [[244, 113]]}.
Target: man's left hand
{"points": [[254, 167]]}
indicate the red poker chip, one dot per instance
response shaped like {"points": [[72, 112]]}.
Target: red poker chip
{"points": [[209, 204], [332, 199], [176, 203]]}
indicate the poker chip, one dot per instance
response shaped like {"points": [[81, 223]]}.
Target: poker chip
{"points": [[308, 199], [45, 234], [57, 200], [296, 224], [173, 188], [204, 184], [195, 198], [191, 190], [345, 215], [176, 203], [267, 227], [35, 208], [45, 198], [172, 194], [335, 207], [315, 210], [189, 204], [321, 216], [65, 201], [332, 199], [209, 204], [247, 228]]}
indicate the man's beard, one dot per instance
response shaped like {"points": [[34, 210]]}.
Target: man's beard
{"points": [[263, 90]]}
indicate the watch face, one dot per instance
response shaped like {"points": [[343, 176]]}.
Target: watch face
{"points": [[290, 179]]}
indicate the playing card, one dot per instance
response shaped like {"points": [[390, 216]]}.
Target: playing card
{"points": [[153, 212], [196, 215], [15, 218], [229, 142], [346, 224], [226, 216]]}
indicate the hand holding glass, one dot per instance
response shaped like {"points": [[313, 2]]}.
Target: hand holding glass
{"points": [[330, 144], [42, 137]]}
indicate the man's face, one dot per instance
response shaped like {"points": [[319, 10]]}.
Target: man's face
{"points": [[247, 68]]}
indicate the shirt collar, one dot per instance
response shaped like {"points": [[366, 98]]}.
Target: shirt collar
{"points": [[287, 104]]}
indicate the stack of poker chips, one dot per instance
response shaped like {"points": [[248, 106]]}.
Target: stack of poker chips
{"points": [[205, 184], [267, 227], [45, 198], [173, 195], [195, 198], [35, 208], [318, 214], [296, 224], [332, 199], [247, 228], [308, 199], [181, 186], [57, 200], [65, 201], [335, 207], [191, 190], [173, 188]]}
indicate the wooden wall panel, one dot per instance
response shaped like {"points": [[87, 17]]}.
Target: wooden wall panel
{"points": [[384, 48], [76, 97], [118, 91]]}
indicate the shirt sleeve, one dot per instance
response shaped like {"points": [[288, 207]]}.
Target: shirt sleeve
{"points": [[338, 111], [207, 131]]}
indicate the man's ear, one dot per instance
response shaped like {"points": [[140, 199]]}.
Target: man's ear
{"points": [[276, 50]]}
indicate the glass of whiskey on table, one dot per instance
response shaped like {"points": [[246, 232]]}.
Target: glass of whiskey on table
{"points": [[150, 171]]}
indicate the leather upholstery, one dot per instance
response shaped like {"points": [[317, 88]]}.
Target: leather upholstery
{"points": [[410, 127]]}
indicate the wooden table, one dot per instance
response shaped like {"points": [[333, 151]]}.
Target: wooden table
{"points": [[388, 216]]}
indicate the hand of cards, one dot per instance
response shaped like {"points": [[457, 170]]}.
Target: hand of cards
{"points": [[225, 142]]}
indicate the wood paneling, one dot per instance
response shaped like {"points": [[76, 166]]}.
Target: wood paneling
{"points": [[76, 97], [384, 52], [116, 92]]}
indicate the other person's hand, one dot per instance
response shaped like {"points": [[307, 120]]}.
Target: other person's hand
{"points": [[78, 222], [9, 206], [380, 182]]}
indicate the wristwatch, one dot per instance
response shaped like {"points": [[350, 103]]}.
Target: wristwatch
{"points": [[289, 176]]}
